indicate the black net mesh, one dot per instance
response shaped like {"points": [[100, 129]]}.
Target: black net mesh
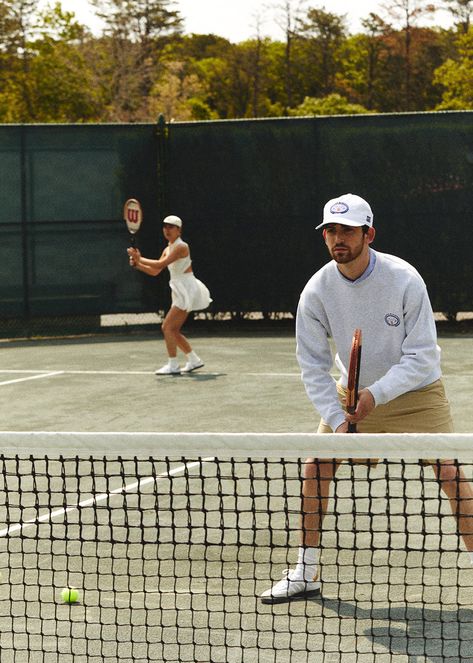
{"points": [[170, 558]]}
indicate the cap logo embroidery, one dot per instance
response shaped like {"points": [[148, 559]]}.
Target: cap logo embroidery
{"points": [[339, 208], [392, 320]]}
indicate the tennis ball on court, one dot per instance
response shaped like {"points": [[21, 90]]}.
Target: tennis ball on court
{"points": [[70, 595]]}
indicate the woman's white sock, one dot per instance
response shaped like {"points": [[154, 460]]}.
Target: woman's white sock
{"points": [[307, 562]]}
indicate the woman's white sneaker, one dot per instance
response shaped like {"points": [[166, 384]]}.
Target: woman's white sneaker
{"points": [[192, 366], [291, 587], [167, 369]]}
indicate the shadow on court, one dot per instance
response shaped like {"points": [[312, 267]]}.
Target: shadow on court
{"points": [[424, 634], [197, 377]]}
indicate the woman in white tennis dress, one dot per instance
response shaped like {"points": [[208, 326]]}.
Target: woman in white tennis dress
{"points": [[188, 294]]}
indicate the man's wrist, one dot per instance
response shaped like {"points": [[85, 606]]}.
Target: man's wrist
{"points": [[336, 423]]}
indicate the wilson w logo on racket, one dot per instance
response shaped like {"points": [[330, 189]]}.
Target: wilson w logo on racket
{"points": [[133, 216], [354, 376]]}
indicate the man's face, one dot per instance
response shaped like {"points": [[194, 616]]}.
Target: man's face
{"points": [[345, 243]]}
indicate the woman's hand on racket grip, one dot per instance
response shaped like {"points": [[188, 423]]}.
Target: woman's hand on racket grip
{"points": [[133, 256], [365, 405]]}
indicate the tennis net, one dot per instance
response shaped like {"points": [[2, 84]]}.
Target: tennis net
{"points": [[171, 539]]}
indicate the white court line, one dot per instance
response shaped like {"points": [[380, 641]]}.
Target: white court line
{"points": [[66, 372], [83, 372], [9, 371], [274, 375], [32, 377], [46, 373], [152, 373], [108, 372], [50, 515]]}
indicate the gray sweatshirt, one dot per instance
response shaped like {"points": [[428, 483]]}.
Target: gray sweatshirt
{"points": [[392, 308]]}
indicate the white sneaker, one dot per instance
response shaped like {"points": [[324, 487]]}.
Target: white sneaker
{"points": [[192, 366], [167, 369], [291, 588]]}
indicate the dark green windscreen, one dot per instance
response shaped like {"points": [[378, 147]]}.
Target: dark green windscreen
{"points": [[249, 192]]}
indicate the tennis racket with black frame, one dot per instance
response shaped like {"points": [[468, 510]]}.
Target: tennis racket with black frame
{"points": [[133, 217], [354, 376]]}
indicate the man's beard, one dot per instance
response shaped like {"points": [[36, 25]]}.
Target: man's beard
{"points": [[348, 255]]}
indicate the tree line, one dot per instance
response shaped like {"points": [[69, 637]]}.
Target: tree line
{"points": [[54, 69]]}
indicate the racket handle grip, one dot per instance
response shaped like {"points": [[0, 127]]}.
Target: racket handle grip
{"points": [[352, 428]]}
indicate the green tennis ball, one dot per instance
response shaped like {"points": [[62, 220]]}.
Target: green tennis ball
{"points": [[70, 595]]}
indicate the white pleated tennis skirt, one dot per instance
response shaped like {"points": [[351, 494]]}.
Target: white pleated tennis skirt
{"points": [[188, 293]]}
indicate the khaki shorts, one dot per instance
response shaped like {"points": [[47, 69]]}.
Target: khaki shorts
{"points": [[425, 410]]}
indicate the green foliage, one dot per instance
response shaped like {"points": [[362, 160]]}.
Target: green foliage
{"points": [[332, 104], [199, 110], [10, 103], [324, 33], [61, 82], [139, 20], [456, 76], [52, 69]]}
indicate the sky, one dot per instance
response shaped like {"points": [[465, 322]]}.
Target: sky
{"points": [[236, 19]]}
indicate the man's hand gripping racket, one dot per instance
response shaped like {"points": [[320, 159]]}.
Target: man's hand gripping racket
{"points": [[354, 376]]}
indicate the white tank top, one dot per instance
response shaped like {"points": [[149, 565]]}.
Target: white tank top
{"points": [[179, 266]]}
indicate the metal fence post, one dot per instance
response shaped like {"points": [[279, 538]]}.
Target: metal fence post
{"points": [[24, 227]]}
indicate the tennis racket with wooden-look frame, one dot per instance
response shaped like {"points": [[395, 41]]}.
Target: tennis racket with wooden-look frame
{"points": [[133, 216], [353, 376]]}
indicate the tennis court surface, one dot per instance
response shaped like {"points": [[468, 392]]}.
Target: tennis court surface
{"points": [[170, 538], [249, 382]]}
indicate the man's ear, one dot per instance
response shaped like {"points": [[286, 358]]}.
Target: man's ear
{"points": [[371, 235], [324, 233]]}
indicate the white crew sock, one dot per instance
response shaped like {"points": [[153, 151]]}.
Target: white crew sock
{"points": [[193, 358], [471, 557], [173, 362], [307, 563]]}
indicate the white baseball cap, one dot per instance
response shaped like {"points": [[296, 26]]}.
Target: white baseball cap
{"points": [[348, 210], [173, 221]]}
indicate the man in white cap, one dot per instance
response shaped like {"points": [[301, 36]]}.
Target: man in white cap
{"points": [[400, 386]]}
